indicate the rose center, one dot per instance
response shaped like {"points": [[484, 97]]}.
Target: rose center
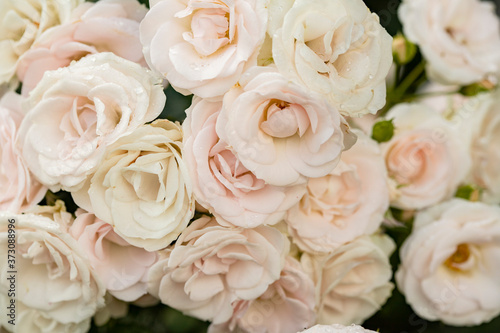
{"points": [[282, 119], [209, 30], [461, 259]]}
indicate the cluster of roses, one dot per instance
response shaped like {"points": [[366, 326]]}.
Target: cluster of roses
{"points": [[263, 212]]}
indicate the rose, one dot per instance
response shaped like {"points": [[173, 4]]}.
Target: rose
{"points": [[352, 282], [336, 328], [286, 306], [279, 130], [459, 39], [347, 203], [449, 264], [479, 122], [20, 189], [203, 46], [211, 266], [336, 48], [122, 267], [220, 182], [56, 289], [76, 111], [426, 159], [105, 26], [22, 22], [142, 187]]}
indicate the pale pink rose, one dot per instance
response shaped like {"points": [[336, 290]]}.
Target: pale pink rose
{"points": [[142, 187], [281, 131], [203, 46], [337, 328], [347, 203], [211, 266], [286, 306], [105, 26], [426, 158], [221, 183], [449, 265], [76, 111], [56, 288], [336, 48], [22, 23], [20, 189], [122, 268], [460, 39], [353, 281]]}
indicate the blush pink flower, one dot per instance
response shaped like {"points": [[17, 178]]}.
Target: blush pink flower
{"points": [[105, 26], [347, 203], [281, 131], [211, 266], [203, 46], [122, 268], [426, 158], [286, 306], [20, 189], [220, 181]]}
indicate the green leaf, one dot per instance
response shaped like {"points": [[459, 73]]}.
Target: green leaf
{"points": [[468, 192]]}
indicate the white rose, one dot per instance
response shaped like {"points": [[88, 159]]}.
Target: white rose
{"points": [[20, 190], [281, 131], [347, 203], [336, 328], [76, 111], [460, 39], [22, 22], [352, 282], [479, 120], [142, 187], [211, 266], [56, 289], [426, 158], [203, 46], [337, 48], [449, 264], [221, 183]]}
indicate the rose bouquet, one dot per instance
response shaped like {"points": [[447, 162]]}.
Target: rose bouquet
{"points": [[249, 166]]}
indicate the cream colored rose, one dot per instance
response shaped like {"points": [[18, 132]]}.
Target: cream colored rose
{"points": [[336, 48], [220, 181], [479, 120], [347, 203], [336, 328], [122, 267], [105, 26], [20, 190], [281, 131], [203, 46], [352, 282], [286, 306], [76, 111], [142, 187], [460, 39], [56, 289], [426, 158], [449, 264], [22, 23], [212, 266]]}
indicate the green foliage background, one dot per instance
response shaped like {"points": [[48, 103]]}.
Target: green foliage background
{"points": [[395, 317]]}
